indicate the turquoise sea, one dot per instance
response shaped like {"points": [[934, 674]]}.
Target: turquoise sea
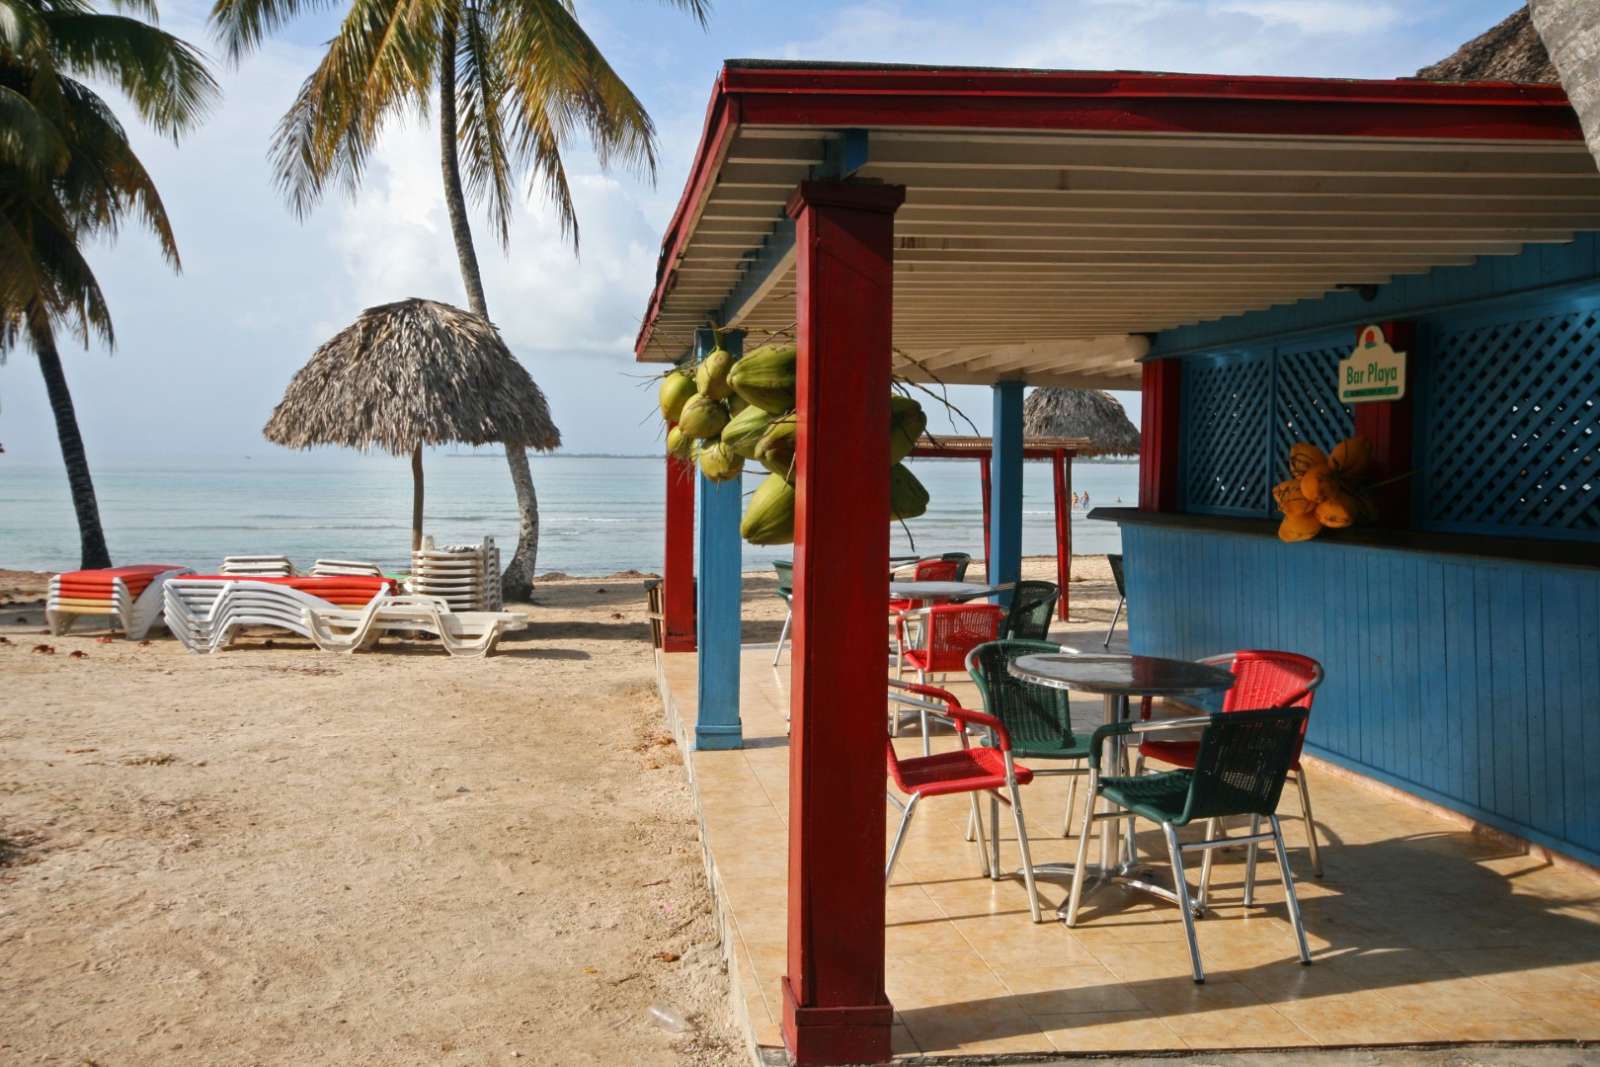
{"points": [[599, 514]]}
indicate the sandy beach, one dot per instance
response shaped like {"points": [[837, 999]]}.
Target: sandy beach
{"points": [[282, 856]]}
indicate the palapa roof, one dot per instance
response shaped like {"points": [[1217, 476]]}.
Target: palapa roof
{"points": [[1510, 52], [1083, 413], [415, 372]]}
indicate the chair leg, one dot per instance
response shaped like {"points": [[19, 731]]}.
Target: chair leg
{"points": [[1213, 828], [1288, 892], [994, 837], [783, 635], [1083, 850], [975, 824], [1180, 885], [1022, 843], [1310, 821], [1250, 863], [900, 836], [927, 742], [1113, 627], [1066, 816]]}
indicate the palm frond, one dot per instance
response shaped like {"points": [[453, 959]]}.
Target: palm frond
{"points": [[481, 130], [164, 78], [242, 25], [28, 140], [23, 33]]}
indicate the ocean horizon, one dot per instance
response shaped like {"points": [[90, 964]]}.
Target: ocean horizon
{"points": [[599, 514]]}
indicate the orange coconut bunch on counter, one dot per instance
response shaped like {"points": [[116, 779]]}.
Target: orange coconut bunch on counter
{"points": [[1329, 489]]}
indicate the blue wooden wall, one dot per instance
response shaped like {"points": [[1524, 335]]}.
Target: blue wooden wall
{"points": [[1472, 683]]}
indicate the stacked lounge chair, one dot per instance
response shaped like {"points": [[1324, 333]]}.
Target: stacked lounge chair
{"points": [[467, 577], [328, 568], [258, 566], [343, 613], [129, 598]]}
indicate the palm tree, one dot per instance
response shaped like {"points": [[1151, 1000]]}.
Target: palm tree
{"points": [[68, 175], [1571, 32], [515, 80]]}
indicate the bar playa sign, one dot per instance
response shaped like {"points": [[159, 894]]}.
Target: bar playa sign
{"points": [[1374, 371]]}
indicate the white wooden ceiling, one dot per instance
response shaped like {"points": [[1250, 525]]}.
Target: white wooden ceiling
{"points": [[1051, 256]]}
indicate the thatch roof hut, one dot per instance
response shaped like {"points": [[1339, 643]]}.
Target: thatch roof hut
{"points": [[1510, 52], [409, 374], [1086, 413]]}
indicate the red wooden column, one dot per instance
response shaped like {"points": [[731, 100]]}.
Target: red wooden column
{"points": [[834, 1006], [677, 573], [1061, 475], [1160, 424], [1387, 424]]}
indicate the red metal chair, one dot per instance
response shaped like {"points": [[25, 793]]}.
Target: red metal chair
{"points": [[947, 633], [1262, 679], [967, 770], [934, 569]]}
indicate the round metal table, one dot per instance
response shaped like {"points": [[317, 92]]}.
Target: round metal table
{"points": [[1117, 678], [944, 592]]}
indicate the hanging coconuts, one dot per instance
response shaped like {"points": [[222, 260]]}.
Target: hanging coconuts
{"points": [[907, 421], [679, 444], [677, 386], [1324, 490], [769, 520], [719, 462], [711, 376], [907, 496], [702, 417], [765, 377], [745, 430]]}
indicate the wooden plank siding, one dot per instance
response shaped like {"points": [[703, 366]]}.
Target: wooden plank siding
{"points": [[1473, 683]]}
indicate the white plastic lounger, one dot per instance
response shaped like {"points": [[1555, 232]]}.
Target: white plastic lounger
{"points": [[467, 576], [467, 633], [128, 597], [205, 613], [325, 568], [258, 566]]}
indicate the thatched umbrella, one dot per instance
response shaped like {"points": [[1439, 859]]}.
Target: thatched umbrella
{"points": [[410, 374], [1510, 52], [1090, 413]]}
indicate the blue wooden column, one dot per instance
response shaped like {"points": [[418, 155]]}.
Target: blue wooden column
{"points": [[717, 606], [1005, 475]]}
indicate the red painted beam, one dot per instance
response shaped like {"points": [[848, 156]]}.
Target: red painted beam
{"points": [[1159, 427], [1388, 425], [834, 1006], [677, 572], [1061, 475]]}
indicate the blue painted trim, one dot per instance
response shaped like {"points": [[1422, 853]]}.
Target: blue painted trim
{"points": [[1488, 818], [1543, 270], [775, 248], [1005, 476], [717, 723], [847, 152]]}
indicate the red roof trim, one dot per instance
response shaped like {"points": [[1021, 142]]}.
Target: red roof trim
{"points": [[1127, 102]]}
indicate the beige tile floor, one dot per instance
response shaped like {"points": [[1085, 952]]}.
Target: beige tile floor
{"points": [[1420, 931]]}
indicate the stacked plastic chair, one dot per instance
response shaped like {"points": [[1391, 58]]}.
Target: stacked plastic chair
{"points": [[466, 577], [129, 598], [257, 566]]}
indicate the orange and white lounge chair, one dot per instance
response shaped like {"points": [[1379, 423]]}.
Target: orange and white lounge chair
{"points": [[129, 598], [206, 611]]}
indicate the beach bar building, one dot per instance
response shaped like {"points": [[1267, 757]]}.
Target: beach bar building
{"points": [[1221, 244]]}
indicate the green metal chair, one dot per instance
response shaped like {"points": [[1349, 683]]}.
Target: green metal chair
{"points": [[962, 561], [1038, 718], [1240, 768], [785, 569], [1033, 605]]}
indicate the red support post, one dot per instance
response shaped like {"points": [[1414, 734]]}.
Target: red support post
{"points": [[1060, 470], [988, 566], [677, 572], [1387, 424], [1160, 425], [834, 1006]]}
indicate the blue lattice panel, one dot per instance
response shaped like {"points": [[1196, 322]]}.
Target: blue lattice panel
{"points": [[1511, 435], [1227, 404], [1306, 405]]}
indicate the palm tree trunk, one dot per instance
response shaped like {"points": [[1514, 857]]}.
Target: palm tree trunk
{"points": [[1570, 30], [517, 581], [91, 537]]}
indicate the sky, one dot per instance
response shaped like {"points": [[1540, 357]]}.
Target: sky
{"points": [[202, 356]]}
